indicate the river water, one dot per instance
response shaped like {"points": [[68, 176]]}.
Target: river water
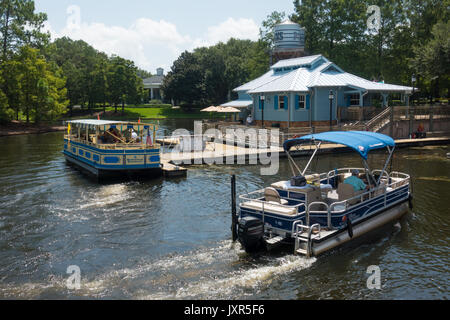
{"points": [[170, 239]]}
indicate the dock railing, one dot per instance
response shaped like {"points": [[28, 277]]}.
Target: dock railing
{"points": [[375, 120]]}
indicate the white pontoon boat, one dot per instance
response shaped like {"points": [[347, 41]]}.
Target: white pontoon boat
{"points": [[325, 211]]}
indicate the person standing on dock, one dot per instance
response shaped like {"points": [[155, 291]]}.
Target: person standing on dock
{"points": [[249, 120]]}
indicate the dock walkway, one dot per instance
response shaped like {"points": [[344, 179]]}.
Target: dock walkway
{"points": [[219, 153]]}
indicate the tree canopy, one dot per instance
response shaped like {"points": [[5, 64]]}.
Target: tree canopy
{"points": [[339, 30], [20, 25], [209, 74], [39, 79]]}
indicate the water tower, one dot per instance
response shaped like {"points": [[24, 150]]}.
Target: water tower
{"points": [[289, 41]]}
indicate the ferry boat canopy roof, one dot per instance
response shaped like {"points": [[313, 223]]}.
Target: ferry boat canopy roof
{"points": [[90, 123], [361, 141], [95, 122]]}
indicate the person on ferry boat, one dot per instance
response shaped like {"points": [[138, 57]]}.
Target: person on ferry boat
{"points": [[355, 182], [111, 136], [134, 135]]}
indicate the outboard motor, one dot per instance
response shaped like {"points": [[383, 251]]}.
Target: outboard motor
{"points": [[251, 234]]}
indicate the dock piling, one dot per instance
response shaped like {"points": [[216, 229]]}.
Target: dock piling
{"points": [[233, 208]]}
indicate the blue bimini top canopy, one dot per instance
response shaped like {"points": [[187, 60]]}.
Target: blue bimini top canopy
{"points": [[361, 141]]}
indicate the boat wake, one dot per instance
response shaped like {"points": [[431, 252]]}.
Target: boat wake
{"points": [[221, 272], [241, 282], [93, 202], [106, 196]]}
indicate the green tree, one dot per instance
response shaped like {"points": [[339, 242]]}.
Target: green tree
{"points": [[43, 94], [338, 29], [185, 82], [309, 14], [259, 60], [238, 54], [79, 62], [12, 85], [334, 28], [209, 74], [124, 84], [266, 32], [381, 44], [100, 82], [432, 59], [20, 25], [6, 113], [143, 74], [212, 63]]}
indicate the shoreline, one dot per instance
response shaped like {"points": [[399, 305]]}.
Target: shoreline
{"points": [[18, 128]]}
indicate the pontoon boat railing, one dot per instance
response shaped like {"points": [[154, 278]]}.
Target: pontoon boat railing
{"points": [[328, 210], [390, 181], [401, 179], [386, 175]]}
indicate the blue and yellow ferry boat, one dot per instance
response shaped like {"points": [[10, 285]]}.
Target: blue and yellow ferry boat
{"points": [[112, 148]]}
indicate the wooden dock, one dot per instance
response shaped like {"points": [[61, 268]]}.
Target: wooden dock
{"points": [[171, 171], [168, 141], [218, 153]]}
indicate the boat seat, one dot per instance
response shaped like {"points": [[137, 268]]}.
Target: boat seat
{"points": [[381, 190], [272, 195], [313, 193], [270, 208], [346, 191]]}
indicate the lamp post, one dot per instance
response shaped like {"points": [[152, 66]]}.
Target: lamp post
{"points": [[263, 98], [411, 115], [331, 97], [413, 80]]}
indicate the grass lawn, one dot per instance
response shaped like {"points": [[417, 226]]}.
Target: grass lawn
{"points": [[135, 113], [159, 113]]}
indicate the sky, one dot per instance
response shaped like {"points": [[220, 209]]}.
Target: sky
{"points": [[153, 33]]}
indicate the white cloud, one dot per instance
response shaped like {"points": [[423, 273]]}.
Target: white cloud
{"points": [[245, 29], [152, 44]]}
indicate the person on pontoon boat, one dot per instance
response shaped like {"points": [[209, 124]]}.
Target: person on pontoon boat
{"points": [[356, 182]]}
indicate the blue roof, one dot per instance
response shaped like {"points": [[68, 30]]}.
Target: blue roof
{"points": [[361, 141]]}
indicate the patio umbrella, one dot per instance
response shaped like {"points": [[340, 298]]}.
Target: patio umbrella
{"points": [[229, 110], [210, 109]]}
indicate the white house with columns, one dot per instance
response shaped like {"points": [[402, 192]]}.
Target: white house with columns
{"points": [[154, 84]]}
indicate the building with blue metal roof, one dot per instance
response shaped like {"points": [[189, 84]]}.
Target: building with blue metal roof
{"points": [[310, 91]]}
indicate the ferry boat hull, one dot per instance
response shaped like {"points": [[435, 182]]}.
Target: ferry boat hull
{"points": [[112, 173]]}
